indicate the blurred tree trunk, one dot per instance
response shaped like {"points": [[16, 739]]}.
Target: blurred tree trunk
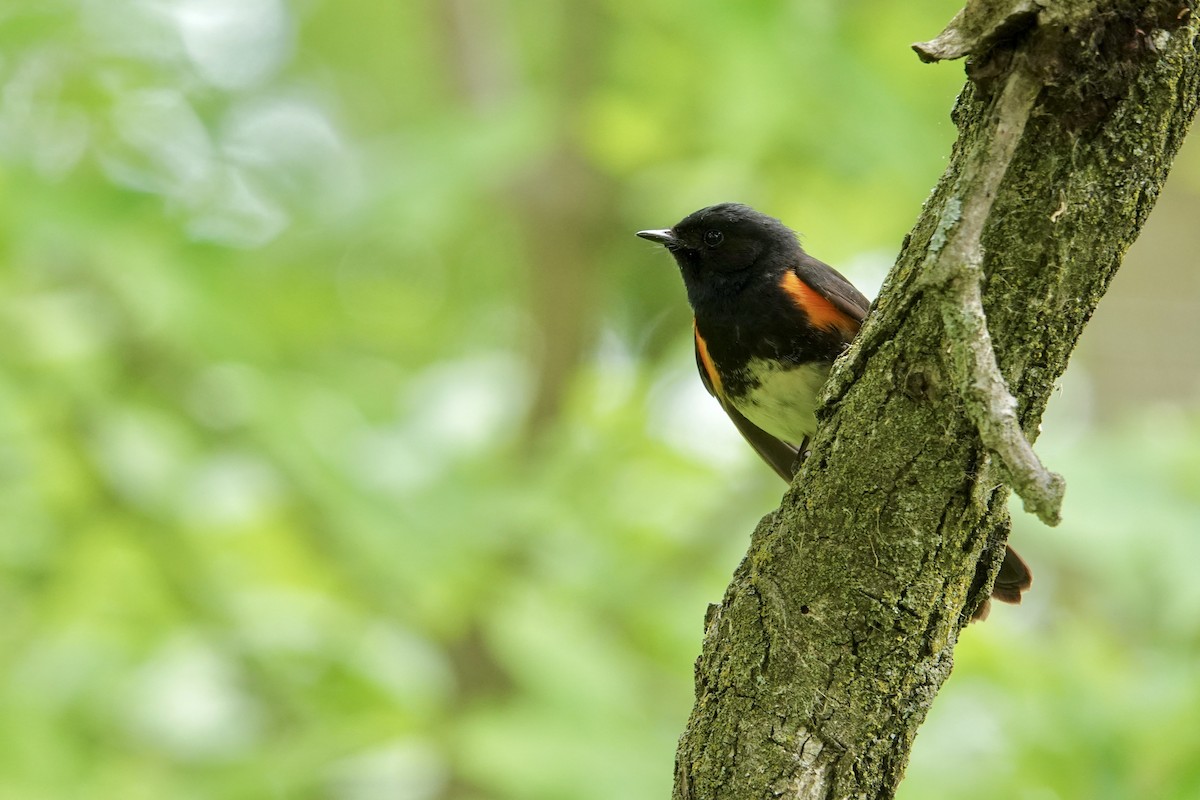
{"points": [[566, 204], [839, 625], [567, 207]]}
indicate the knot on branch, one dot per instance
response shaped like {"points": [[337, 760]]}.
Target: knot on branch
{"points": [[979, 27], [1106, 40]]}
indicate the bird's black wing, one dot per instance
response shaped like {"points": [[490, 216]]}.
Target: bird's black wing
{"points": [[834, 287], [778, 454]]}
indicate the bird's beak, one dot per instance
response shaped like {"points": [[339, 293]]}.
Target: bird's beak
{"points": [[665, 237]]}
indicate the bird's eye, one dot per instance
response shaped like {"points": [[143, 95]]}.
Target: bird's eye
{"points": [[713, 238]]}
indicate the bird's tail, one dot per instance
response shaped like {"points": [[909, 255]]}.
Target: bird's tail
{"points": [[1013, 579]]}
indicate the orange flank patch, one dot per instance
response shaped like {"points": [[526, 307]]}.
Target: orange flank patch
{"points": [[821, 312], [706, 361]]}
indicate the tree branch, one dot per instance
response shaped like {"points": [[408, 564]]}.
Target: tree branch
{"points": [[955, 268]]}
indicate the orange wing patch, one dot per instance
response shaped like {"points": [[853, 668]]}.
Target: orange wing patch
{"points": [[706, 362], [821, 312]]}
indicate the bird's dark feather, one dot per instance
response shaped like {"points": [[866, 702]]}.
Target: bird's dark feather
{"points": [[778, 454], [832, 285]]}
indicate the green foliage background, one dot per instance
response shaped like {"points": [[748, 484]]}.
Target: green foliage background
{"points": [[350, 444]]}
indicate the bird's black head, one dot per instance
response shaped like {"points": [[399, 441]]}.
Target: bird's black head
{"points": [[725, 247]]}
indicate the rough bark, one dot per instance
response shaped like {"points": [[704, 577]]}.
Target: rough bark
{"points": [[839, 626]]}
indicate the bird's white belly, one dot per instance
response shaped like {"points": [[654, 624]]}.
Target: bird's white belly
{"points": [[784, 401]]}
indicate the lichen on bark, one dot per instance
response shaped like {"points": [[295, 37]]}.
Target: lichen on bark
{"points": [[839, 625]]}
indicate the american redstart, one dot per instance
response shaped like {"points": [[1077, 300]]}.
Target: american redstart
{"points": [[769, 321]]}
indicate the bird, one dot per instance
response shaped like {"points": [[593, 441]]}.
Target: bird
{"points": [[769, 320]]}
